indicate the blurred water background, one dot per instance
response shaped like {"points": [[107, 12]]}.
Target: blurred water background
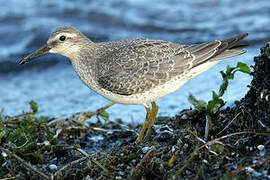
{"points": [[52, 82]]}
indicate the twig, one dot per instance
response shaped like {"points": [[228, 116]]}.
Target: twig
{"points": [[229, 135], [229, 123], [8, 178], [25, 164], [142, 164], [250, 166], [88, 115], [11, 119], [197, 138], [18, 147], [223, 137], [69, 165], [185, 112], [93, 160], [79, 161]]}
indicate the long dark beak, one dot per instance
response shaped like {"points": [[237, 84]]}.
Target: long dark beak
{"points": [[40, 52]]}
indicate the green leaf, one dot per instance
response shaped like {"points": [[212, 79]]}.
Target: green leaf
{"points": [[33, 106], [214, 95], [198, 104], [229, 70], [104, 114], [231, 76], [243, 68], [17, 137], [2, 134], [215, 105]]}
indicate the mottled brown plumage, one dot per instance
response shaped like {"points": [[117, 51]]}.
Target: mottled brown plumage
{"points": [[134, 66]]}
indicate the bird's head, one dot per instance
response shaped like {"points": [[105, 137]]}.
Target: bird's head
{"points": [[66, 41]]}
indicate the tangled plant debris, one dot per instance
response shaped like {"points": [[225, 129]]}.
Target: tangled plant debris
{"points": [[237, 145]]}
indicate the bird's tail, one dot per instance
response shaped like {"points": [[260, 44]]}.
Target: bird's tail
{"points": [[228, 48]]}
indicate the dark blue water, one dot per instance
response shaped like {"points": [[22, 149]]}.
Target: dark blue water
{"points": [[51, 81]]}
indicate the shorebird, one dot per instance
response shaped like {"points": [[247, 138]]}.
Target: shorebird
{"points": [[136, 71]]}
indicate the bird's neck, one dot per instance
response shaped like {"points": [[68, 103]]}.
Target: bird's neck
{"points": [[84, 64]]}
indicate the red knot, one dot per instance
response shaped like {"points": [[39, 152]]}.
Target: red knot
{"points": [[136, 71]]}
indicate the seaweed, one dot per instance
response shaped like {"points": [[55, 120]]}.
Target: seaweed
{"points": [[235, 147]]}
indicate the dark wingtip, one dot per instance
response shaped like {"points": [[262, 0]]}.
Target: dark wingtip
{"points": [[23, 61]]}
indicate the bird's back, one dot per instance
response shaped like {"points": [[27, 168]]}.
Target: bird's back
{"points": [[134, 66]]}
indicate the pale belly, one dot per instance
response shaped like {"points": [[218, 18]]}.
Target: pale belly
{"points": [[156, 92]]}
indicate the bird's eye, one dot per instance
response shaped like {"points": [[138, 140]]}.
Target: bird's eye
{"points": [[62, 38]]}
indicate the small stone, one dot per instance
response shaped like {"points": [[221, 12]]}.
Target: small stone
{"points": [[146, 149], [260, 147], [88, 178], [47, 143], [166, 128], [121, 173], [4, 164], [120, 165], [164, 136], [184, 117], [185, 146], [174, 148], [4, 154], [262, 153], [133, 161], [205, 161], [250, 170], [181, 153], [52, 168], [254, 161]]}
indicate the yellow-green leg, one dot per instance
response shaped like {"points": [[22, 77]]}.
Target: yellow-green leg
{"points": [[153, 118], [149, 121], [145, 125]]}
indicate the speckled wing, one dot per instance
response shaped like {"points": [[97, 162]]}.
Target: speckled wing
{"points": [[135, 66]]}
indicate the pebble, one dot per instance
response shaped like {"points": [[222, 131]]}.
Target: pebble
{"points": [[88, 178], [174, 148], [146, 149], [185, 146], [52, 168], [205, 161], [47, 143], [260, 147], [4, 154], [250, 170], [262, 153], [121, 173], [133, 161], [164, 136]]}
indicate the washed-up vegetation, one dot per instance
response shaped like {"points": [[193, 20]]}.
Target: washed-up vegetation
{"points": [[204, 142]]}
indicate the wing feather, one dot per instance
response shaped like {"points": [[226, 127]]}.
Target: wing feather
{"points": [[135, 66]]}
